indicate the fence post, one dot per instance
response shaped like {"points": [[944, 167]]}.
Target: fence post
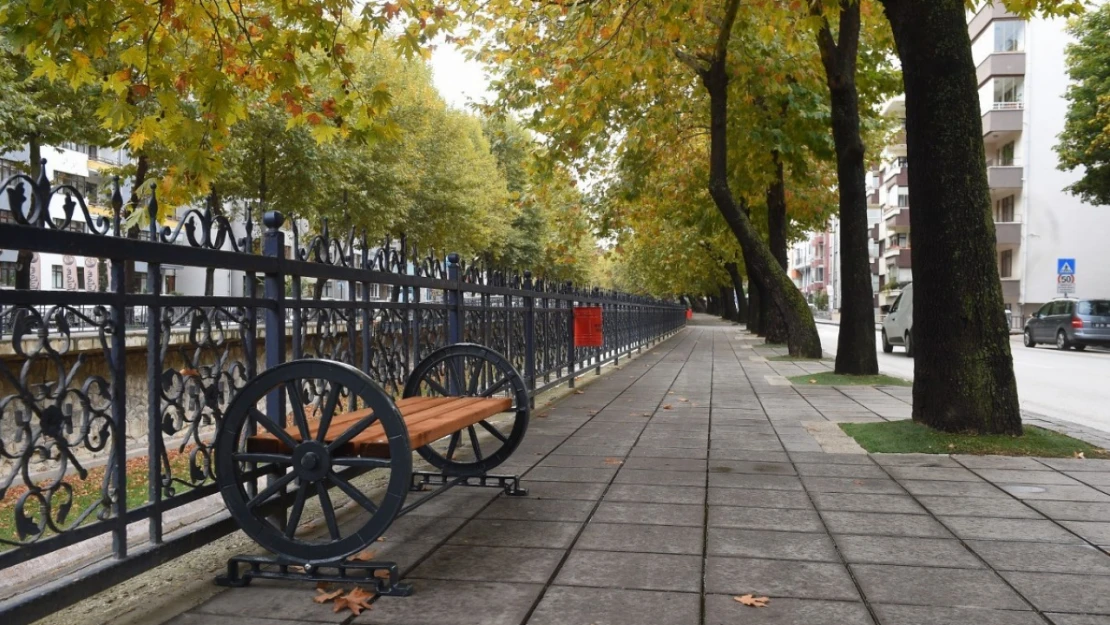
{"points": [[273, 246], [454, 301], [598, 351], [571, 364], [118, 365], [530, 337], [154, 379]]}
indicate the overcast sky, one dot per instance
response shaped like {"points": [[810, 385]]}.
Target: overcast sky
{"points": [[458, 79]]}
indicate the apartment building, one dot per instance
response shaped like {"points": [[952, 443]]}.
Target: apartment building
{"points": [[1022, 80]]}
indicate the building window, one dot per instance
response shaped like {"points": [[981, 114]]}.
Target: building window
{"points": [[1009, 36], [820, 274], [74, 225], [169, 280], [1004, 210], [80, 278], [1006, 155], [1006, 264], [7, 217], [8, 272], [138, 282], [900, 240], [8, 169], [327, 289], [903, 161], [903, 200], [1009, 92], [56, 274]]}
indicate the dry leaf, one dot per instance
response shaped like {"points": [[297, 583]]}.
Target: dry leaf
{"points": [[579, 392], [1079, 455], [381, 539], [613, 461], [364, 556], [752, 602], [382, 574], [323, 596], [297, 569], [670, 392], [812, 381], [667, 407], [683, 399], [645, 414], [356, 601]]}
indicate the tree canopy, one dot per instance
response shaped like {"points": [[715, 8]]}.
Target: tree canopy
{"points": [[1085, 142]]}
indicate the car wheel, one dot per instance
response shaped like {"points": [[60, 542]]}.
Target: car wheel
{"points": [[909, 345], [1062, 341], [887, 347], [1029, 342]]}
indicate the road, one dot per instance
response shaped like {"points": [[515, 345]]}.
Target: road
{"points": [[1073, 386]]}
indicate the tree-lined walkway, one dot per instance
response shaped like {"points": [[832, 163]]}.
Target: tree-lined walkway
{"points": [[690, 475]]}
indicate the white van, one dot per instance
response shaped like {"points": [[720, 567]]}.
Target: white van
{"points": [[898, 322]]}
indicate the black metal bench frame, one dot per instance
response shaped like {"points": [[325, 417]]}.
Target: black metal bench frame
{"points": [[270, 513]]}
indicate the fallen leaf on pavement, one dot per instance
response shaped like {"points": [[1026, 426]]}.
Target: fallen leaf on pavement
{"points": [[297, 569], [382, 574], [613, 461], [579, 392], [752, 602], [324, 596], [356, 601], [381, 539], [667, 407], [812, 381], [670, 392], [1079, 455], [683, 399], [364, 556]]}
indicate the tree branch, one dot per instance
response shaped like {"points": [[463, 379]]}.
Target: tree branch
{"points": [[720, 53]]}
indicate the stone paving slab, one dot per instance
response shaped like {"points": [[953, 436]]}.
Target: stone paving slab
{"points": [[689, 476]]}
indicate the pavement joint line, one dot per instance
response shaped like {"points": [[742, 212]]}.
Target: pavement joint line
{"points": [[836, 547], [1015, 498], [593, 510], [441, 543], [963, 543], [705, 507]]}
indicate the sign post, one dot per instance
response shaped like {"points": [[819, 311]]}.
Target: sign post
{"points": [[1065, 276]]}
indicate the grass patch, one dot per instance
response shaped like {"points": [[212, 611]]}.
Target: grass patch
{"points": [[830, 378], [789, 358], [907, 437]]}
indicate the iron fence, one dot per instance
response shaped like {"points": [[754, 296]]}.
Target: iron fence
{"points": [[103, 428]]}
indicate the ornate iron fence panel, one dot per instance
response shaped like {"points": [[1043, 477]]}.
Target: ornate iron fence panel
{"points": [[110, 396]]}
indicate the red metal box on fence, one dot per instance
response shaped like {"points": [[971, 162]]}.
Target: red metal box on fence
{"points": [[587, 326]]}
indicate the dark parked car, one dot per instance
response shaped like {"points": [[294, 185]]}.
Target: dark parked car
{"points": [[1070, 323]]}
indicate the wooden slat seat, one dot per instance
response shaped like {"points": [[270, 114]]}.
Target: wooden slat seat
{"points": [[428, 419]]}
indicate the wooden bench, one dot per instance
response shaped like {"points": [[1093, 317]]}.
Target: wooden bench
{"points": [[427, 419], [323, 430]]}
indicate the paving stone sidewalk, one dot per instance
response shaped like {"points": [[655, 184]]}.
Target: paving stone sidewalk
{"points": [[688, 476]]}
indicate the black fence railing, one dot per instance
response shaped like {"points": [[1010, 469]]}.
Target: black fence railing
{"points": [[84, 397]]}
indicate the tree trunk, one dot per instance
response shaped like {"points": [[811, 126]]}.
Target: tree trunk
{"points": [[142, 168], [855, 348], [738, 286], [755, 307], [210, 272], [776, 238], [729, 301], [802, 338], [24, 258], [963, 371]]}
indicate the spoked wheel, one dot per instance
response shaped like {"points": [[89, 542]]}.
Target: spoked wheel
{"points": [[467, 370], [311, 463]]}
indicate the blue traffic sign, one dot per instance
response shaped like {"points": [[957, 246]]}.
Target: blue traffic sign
{"points": [[1065, 266]]}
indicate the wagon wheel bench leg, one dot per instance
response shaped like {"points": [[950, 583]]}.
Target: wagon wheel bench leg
{"points": [[312, 460], [463, 459]]}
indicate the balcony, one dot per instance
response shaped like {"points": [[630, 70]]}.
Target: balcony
{"points": [[1002, 120], [987, 14], [1005, 177], [1011, 289], [1001, 64], [901, 178], [899, 255], [898, 219], [875, 232], [1007, 232]]}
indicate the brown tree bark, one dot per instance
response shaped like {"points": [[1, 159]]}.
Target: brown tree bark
{"points": [[776, 239], [963, 370], [738, 286], [802, 338], [728, 309], [855, 348]]}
